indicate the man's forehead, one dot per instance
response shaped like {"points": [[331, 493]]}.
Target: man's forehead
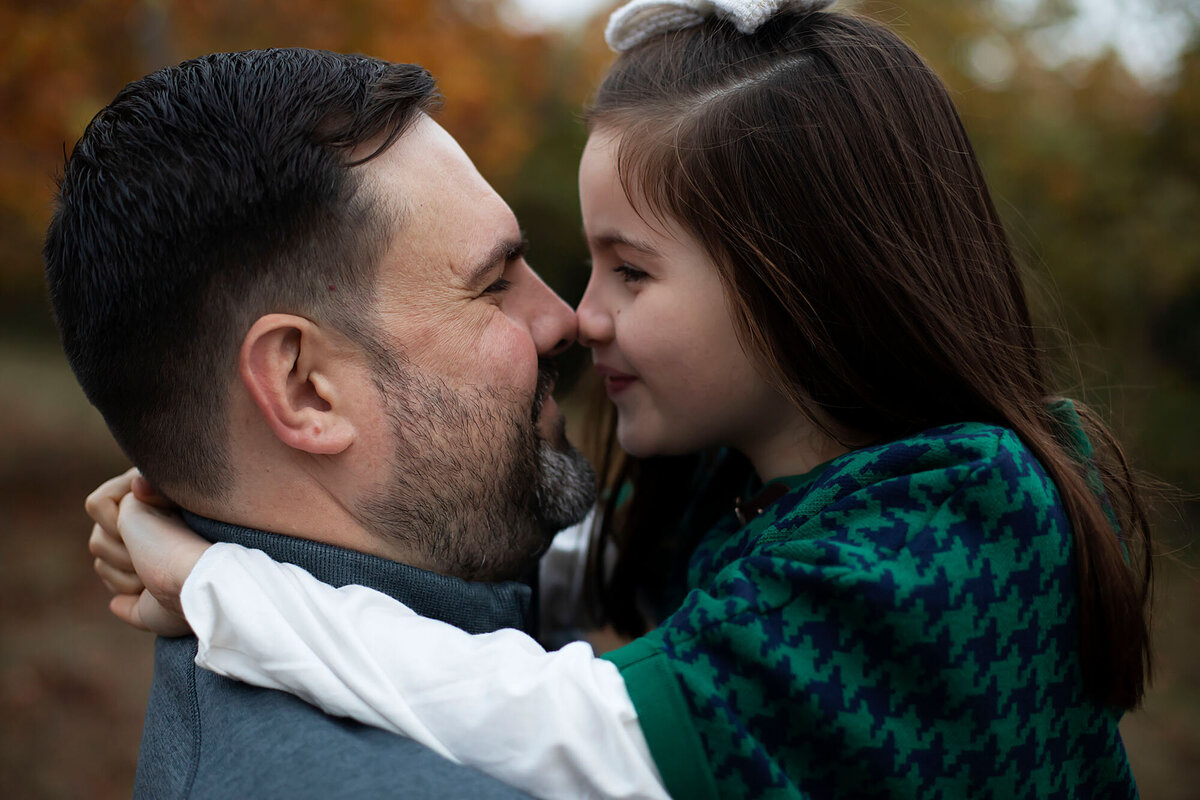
{"points": [[441, 209]]}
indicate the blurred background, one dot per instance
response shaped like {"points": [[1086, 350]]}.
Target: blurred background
{"points": [[1086, 114]]}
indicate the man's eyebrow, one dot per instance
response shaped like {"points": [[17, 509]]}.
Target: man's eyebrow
{"points": [[613, 238], [504, 252]]}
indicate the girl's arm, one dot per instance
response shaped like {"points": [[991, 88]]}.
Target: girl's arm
{"points": [[555, 724]]}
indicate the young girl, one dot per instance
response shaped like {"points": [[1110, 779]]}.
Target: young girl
{"points": [[930, 589]]}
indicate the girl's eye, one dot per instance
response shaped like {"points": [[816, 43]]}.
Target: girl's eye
{"points": [[500, 286], [630, 274]]}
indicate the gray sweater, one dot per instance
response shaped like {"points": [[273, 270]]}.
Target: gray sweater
{"points": [[209, 737]]}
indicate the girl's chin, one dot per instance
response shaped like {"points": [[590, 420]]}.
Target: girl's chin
{"points": [[633, 441], [642, 444]]}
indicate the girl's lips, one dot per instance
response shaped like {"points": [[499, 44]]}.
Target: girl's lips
{"points": [[615, 386], [614, 382]]}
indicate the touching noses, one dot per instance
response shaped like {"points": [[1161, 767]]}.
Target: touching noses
{"points": [[595, 319]]}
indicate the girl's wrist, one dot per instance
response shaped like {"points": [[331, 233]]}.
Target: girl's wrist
{"points": [[183, 566]]}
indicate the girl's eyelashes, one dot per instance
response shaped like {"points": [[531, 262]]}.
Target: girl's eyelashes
{"points": [[630, 273]]}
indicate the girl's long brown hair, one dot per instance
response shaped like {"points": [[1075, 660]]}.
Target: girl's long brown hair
{"points": [[825, 169]]}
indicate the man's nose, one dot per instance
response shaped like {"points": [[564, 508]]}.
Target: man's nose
{"points": [[595, 320], [552, 323]]}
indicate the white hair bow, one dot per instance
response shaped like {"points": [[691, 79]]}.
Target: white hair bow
{"points": [[636, 21]]}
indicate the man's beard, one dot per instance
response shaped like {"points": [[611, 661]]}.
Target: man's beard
{"points": [[475, 488]]}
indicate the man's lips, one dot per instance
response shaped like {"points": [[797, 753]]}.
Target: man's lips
{"points": [[615, 381]]}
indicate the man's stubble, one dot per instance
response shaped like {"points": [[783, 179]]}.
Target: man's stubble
{"points": [[474, 487]]}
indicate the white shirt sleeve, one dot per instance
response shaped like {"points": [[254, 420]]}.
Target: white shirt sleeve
{"points": [[556, 725]]}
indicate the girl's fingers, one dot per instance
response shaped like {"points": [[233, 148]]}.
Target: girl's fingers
{"points": [[101, 504], [117, 581], [144, 612], [124, 607], [106, 545]]}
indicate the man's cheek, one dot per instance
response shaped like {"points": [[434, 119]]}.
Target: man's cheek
{"points": [[511, 358]]}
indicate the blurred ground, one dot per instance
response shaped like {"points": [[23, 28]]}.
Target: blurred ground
{"points": [[73, 681]]}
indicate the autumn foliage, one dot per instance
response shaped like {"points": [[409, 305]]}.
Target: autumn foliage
{"points": [[1097, 173], [64, 60]]}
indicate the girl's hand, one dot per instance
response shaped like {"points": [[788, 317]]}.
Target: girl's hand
{"points": [[162, 551], [143, 553], [112, 562]]}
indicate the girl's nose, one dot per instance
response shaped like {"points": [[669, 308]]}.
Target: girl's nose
{"points": [[595, 319]]}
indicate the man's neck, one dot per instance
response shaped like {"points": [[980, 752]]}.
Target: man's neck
{"points": [[324, 515], [473, 607]]}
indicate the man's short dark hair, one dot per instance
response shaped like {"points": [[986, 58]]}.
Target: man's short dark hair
{"points": [[204, 196]]}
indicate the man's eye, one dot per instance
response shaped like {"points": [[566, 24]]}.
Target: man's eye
{"points": [[630, 274], [500, 286]]}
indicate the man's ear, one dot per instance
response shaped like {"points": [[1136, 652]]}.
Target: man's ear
{"points": [[291, 368]]}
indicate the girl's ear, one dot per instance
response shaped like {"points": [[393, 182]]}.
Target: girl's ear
{"points": [[291, 369]]}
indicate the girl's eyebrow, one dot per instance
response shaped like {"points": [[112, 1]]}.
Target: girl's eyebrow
{"points": [[613, 238]]}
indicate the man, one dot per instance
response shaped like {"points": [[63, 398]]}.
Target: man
{"points": [[307, 319]]}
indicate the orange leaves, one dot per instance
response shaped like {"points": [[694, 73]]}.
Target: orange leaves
{"points": [[65, 60]]}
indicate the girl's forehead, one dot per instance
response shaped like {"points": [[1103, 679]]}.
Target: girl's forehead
{"points": [[603, 188], [600, 152]]}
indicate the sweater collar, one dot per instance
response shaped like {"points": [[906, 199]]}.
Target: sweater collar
{"points": [[473, 607]]}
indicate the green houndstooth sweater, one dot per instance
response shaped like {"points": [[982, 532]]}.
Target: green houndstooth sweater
{"points": [[901, 623]]}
